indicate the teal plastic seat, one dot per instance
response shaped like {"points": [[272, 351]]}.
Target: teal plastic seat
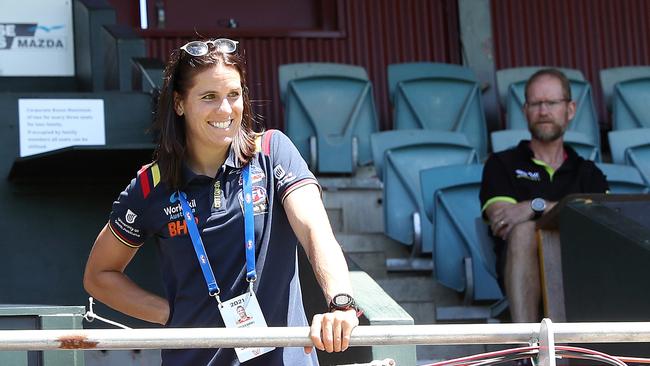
{"points": [[403, 209], [450, 147], [585, 120], [632, 147], [631, 104], [437, 96], [610, 77], [623, 178], [621, 140], [450, 195], [506, 139], [329, 114], [639, 157]]}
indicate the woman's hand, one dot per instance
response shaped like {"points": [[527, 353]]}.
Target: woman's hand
{"points": [[330, 332]]}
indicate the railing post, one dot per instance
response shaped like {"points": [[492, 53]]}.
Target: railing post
{"points": [[546, 343]]}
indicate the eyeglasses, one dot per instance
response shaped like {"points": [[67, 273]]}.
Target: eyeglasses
{"points": [[201, 48], [550, 104]]}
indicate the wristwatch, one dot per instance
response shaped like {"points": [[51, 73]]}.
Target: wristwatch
{"points": [[538, 205], [344, 302]]}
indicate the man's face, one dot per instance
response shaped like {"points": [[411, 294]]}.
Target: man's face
{"points": [[547, 111]]}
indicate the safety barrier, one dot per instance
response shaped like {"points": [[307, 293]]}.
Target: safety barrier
{"points": [[545, 333]]}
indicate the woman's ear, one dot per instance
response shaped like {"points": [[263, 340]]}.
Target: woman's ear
{"points": [[178, 105]]}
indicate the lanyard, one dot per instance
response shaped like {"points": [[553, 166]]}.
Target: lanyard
{"points": [[249, 236]]}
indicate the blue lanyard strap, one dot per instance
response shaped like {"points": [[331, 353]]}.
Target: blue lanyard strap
{"points": [[249, 235], [249, 225], [199, 248]]}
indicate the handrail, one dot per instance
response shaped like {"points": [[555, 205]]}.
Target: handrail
{"points": [[154, 338]]}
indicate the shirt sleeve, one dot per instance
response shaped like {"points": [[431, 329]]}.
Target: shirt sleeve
{"points": [[289, 168], [495, 185], [127, 219], [596, 182]]}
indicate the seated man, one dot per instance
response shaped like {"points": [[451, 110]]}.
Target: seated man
{"points": [[521, 184]]}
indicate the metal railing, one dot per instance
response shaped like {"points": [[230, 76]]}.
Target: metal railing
{"points": [[456, 334]]}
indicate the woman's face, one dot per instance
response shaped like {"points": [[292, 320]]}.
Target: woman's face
{"points": [[212, 107]]}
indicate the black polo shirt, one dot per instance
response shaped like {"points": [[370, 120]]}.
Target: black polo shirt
{"points": [[515, 175], [147, 208]]}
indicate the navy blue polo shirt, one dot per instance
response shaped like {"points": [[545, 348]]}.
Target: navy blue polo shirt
{"points": [[147, 207]]}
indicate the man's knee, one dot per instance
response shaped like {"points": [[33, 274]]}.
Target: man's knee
{"points": [[522, 238]]}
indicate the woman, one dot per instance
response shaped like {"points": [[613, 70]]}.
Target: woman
{"points": [[226, 206]]}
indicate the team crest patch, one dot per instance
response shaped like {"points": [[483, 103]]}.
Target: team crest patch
{"points": [[130, 216], [522, 174], [260, 202], [257, 175]]}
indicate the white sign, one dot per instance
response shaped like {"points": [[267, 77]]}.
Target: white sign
{"points": [[51, 124], [36, 38]]}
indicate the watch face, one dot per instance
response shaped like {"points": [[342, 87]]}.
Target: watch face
{"points": [[538, 204], [342, 300]]}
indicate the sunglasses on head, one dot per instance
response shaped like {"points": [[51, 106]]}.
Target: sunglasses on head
{"points": [[201, 48]]}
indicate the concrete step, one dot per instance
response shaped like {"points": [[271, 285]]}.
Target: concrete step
{"points": [[354, 204], [418, 288], [369, 251], [371, 242]]}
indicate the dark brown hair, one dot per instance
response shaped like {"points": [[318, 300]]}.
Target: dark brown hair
{"points": [[179, 76], [566, 85]]}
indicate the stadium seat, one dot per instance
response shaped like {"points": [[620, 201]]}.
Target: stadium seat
{"points": [[639, 157], [440, 97], [620, 141], [403, 209], [610, 77], [329, 114], [585, 120], [448, 146], [632, 147], [631, 104], [623, 178], [505, 139], [464, 259]]}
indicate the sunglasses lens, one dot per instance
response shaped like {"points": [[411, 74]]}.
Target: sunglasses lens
{"points": [[226, 45], [196, 48]]}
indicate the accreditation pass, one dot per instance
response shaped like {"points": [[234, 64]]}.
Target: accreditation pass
{"points": [[244, 311]]}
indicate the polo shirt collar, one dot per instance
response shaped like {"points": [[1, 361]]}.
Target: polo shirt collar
{"points": [[189, 175], [571, 156]]}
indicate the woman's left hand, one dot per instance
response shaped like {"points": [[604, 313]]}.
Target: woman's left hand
{"points": [[330, 332]]}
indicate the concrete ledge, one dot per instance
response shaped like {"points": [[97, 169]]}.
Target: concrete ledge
{"points": [[381, 309]]}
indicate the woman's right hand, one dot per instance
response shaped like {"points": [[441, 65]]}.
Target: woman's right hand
{"points": [[105, 280]]}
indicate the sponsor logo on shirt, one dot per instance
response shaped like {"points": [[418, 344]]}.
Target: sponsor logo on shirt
{"points": [[260, 204], [278, 172], [125, 227], [257, 175], [179, 227], [534, 176], [174, 212], [217, 194], [130, 216], [282, 177]]}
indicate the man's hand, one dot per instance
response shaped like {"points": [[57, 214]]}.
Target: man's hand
{"points": [[503, 216], [330, 332]]}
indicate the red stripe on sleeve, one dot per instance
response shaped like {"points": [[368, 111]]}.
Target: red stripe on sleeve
{"points": [[144, 181], [266, 142]]}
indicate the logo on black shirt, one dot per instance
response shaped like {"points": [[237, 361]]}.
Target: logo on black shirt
{"points": [[534, 176]]}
